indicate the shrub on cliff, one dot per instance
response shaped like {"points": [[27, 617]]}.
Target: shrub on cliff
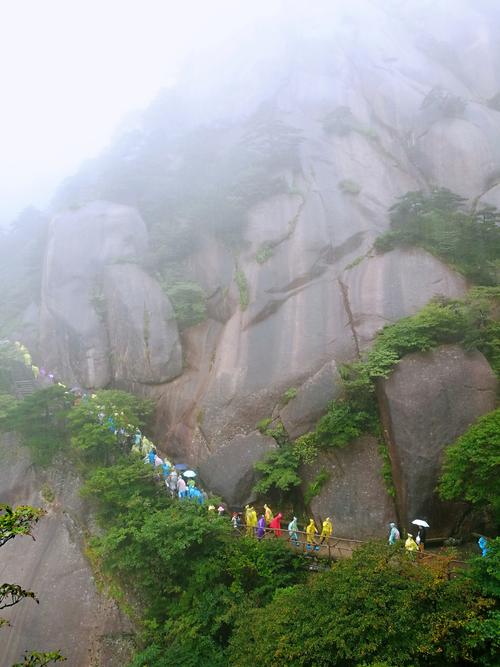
{"points": [[471, 469], [439, 223], [41, 421], [95, 424], [378, 607]]}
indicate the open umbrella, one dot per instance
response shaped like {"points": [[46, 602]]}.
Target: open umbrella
{"points": [[181, 466], [420, 522], [189, 473]]}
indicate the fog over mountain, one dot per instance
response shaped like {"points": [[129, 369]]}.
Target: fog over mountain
{"points": [[280, 223]]}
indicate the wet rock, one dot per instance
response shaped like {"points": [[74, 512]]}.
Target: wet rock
{"points": [[429, 401], [383, 288], [354, 496], [72, 615], [229, 472], [92, 264], [301, 413], [142, 330]]}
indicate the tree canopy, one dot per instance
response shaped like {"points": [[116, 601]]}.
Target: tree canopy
{"points": [[471, 468]]}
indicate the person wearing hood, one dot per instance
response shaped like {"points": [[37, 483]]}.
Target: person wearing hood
{"points": [[326, 530], [152, 456], [410, 544], [394, 535], [261, 527], [483, 545], [293, 532], [181, 488], [250, 520], [171, 482], [276, 525], [268, 514], [311, 531]]}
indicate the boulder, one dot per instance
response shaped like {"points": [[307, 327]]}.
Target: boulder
{"points": [[301, 413], [92, 264], [354, 496], [142, 330], [229, 472], [430, 400]]}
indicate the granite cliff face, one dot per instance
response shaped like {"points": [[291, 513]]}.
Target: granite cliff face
{"points": [[382, 101], [102, 317]]}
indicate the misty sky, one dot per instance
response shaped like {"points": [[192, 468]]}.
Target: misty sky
{"points": [[71, 69]]}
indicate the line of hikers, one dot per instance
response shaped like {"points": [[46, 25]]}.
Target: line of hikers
{"points": [[411, 544], [256, 527]]}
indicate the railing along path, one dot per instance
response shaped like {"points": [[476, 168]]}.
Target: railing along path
{"points": [[334, 548]]}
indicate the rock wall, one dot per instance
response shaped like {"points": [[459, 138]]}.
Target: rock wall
{"points": [[428, 402], [384, 102], [354, 496], [102, 317], [72, 615]]}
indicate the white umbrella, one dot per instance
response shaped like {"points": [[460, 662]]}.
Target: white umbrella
{"points": [[421, 522], [189, 473]]}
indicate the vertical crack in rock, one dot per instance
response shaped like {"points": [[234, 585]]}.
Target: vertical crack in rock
{"points": [[345, 298]]}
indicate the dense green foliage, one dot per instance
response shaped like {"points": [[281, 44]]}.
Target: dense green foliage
{"points": [[439, 223], [41, 421], [189, 576], [49, 420], [471, 469], [91, 435], [380, 607], [485, 571]]}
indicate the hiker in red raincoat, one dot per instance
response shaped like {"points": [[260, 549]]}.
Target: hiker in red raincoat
{"points": [[276, 525]]}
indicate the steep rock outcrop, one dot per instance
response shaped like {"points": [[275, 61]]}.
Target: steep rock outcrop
{"points": [[102, 318], [141, 326], [311, 401], [384, 288], [72, 615], [230, 473], [428, 401], [354, 496]]}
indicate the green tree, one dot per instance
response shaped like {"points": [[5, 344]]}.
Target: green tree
{"points": [[438, 222], [471, 467], [381, 606], [100, 425], [126, 487], [41, 421]]}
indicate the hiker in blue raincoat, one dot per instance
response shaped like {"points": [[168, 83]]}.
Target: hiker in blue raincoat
{"points": [[483, 545], [394, 535], [151, 456]]}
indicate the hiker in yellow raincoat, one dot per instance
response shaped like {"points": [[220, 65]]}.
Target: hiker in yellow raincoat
{"points": [[326, 530], [310, 534], [268, 514], [250, 520], [410, 544]]}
